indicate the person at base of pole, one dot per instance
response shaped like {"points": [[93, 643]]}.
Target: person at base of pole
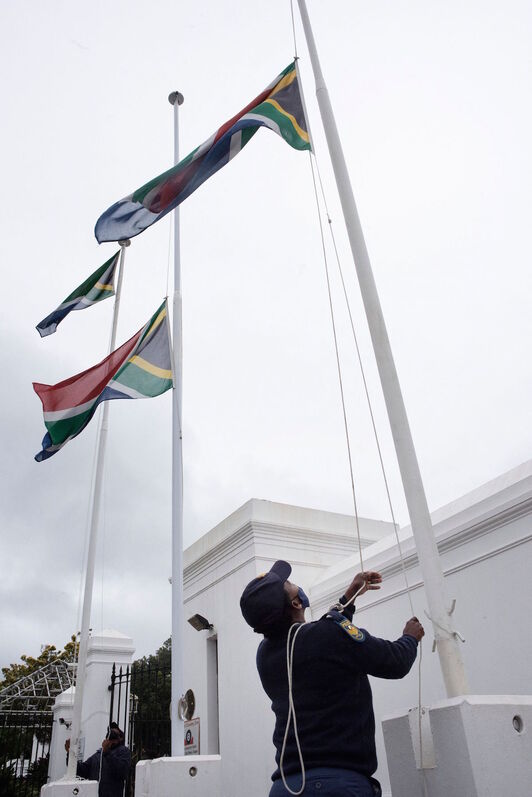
{"points": [[109, 765], [331, 694]]}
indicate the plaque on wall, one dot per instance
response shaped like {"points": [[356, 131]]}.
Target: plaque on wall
{"points": [[192, 736]]}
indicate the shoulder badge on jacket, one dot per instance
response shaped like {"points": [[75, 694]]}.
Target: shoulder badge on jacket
{"points": [[350, 629]]}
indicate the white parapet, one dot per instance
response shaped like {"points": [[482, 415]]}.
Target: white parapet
{"points": [[62, 711], [191, 775], [471, 746], [71, 788]]}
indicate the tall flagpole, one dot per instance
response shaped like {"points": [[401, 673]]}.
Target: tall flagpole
{"points": [[178, 730], [75, 731], [451, 662]]}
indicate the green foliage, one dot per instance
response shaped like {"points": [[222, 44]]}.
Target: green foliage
{"points": [[151, 689], [28, 786], [8, 783], [15, 741], [30, 664], [162, 657], [151, 683], [37, 776]]}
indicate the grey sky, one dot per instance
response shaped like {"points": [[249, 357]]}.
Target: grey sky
{"points": [[433, 105]]}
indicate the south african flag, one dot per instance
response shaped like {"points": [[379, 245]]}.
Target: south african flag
{"points": [[97, 287], [278, 107], [140, 368]]}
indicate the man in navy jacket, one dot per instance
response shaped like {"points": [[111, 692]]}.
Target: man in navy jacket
{"points": [[109, 765], [334, 747]]}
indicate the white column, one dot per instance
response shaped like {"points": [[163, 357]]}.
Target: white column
{"points": [[177, 734], [450, 656], [106, 648], [62, 712]]}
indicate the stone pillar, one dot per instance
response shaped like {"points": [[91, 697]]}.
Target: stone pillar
{"points": [[62, 711], [472, 746], [105, 649]]}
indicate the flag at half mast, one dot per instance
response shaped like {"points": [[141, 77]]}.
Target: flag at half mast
{"points": [[140, 368], [97, 287], [278, 107]]}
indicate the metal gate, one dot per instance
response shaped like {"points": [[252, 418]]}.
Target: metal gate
{"points": [[140, 705], [24, 752]]}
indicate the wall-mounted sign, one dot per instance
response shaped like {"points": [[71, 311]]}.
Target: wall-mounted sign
{"points": [[192, 736]]}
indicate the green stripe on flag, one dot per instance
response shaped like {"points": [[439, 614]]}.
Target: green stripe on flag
{"points": [[286, 126], [247, 134], [61, 430], [86, 286], [143, 381]]}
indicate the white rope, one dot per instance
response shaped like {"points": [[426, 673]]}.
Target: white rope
{"points": [[290, 642], [338, 366], [100, 768], [102, 547], [383, 469], [293, 28], [83, 566], [326, 266], [374, 426], [170, 227], [366, 389]]}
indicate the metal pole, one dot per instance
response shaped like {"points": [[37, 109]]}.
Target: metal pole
{"points": [[450, 656], [75, 734], [178, 729]]}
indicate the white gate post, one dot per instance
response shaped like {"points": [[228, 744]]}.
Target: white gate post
{"points": [[62, 711], [105, 649]]}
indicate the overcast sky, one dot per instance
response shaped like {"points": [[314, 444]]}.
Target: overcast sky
{"points": [[433, 106]]}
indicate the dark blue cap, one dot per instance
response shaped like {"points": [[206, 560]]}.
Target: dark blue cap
{"points": [[263, 600]]}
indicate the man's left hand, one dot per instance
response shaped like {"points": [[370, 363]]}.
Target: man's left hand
{"points": [[364, 582], [107, 745]]}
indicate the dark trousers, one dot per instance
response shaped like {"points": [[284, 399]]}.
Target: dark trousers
{"points": [[328, 782]]}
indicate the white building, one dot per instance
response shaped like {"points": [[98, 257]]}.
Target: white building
{"points": [[484, 539]]}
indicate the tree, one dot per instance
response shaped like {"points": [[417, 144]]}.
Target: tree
{"points": [[151, 686], [8, 782], [162, 658]]}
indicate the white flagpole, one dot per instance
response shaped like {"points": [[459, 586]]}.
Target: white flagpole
{"points": [[451, 662], [177, 724], [75, 731]]}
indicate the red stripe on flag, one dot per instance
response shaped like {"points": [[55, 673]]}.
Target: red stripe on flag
{"points": [[87, 385], [257, 101], [165, 193]]}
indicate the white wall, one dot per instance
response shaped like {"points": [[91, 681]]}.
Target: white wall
{"points": [[485, 540]]}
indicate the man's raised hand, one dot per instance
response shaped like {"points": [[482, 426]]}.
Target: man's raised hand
{"points": [[363, 582]]}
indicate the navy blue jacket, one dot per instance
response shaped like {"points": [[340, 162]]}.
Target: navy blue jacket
{"points": [[115, 769], [332, 694]]}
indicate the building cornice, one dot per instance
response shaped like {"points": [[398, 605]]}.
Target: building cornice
{"points": [[452, 541], [258, 533]]}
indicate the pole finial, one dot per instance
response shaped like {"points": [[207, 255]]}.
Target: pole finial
{"points": [[176, 95], [124, 243]]}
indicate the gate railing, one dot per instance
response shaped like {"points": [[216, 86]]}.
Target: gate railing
{"points": [[140, 705], [24, 752]]}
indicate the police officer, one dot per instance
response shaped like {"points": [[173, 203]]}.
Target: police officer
{"points": [[324, 724], [109, 765]]}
